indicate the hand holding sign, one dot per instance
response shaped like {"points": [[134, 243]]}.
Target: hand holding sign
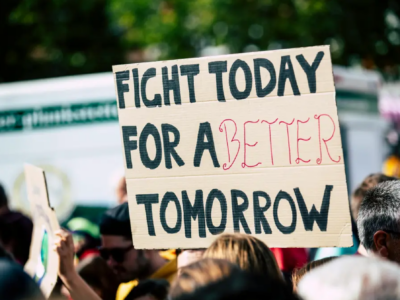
{"points": [[77, 287], [64, 245], [239, 143], [43, 262]]}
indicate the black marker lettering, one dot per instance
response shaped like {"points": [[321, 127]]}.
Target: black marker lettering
{"points": [[127, 132], [259, 217], [239, 95], [190, 71], [148, 200], [285, 229], [201, 146], [149, 73], [122, 87], [171, 85], [150, 129], [216, 194], [237, 211], [321, 218], [196, 212], [168, 197], [169, 146], [135, 75], [265, 63], [311, 70], [287, 74], [217, 68]]}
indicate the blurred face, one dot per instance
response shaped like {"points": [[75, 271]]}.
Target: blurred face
{"points": [[126, 262]]}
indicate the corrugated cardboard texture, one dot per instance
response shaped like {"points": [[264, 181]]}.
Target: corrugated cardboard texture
{"points": [[257, 152]]}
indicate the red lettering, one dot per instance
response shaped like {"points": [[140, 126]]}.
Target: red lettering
{"points": [[298, 159], [319, 160], [224, 166], [270, 138], [244, 164], [288, 137]]}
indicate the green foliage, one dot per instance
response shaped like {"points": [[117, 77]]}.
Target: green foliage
{"points": [[166, 29], [60, 37], [45, 38]]}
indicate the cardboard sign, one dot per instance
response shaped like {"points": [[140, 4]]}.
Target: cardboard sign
{"points": [[43, 261], [244, 143]]}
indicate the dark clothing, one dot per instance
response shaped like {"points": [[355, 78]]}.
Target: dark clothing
{"points": [[15, 284]]}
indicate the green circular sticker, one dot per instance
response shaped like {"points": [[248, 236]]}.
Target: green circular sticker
{"points": [[41, 267]]}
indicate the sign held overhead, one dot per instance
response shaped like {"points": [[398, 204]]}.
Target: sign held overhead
{"points": [[239, 143], [43, 261]]}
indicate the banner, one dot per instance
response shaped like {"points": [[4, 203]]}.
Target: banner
{"points": [[43, 261], [239, 143]]}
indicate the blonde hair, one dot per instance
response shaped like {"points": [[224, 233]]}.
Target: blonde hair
{"points": [[246, 251], [298, 274], [199, 274]]}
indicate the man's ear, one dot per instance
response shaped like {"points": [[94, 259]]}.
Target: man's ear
{"points": [[380, 243]]}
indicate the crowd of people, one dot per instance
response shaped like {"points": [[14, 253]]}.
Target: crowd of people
{"points": [[99, 261]]}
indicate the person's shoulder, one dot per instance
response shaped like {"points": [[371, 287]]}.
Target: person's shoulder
{"points": [[15, 283]]}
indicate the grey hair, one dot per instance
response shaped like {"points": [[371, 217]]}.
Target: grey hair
{"points": [[352, 278], [379, 210]]}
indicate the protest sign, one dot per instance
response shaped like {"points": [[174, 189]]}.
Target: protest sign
{"points": [[43, 260], [244, 143]]}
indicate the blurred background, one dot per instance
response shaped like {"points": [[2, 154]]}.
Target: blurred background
{"points": [[57, 97]]}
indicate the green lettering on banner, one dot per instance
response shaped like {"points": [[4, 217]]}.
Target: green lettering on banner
{"points": [[58, 116]]}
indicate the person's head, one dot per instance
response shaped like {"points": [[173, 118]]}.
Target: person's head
{"points": [[3, 197], [379, 220], [369, 182], [201, 273], [15, 284], [188, 257], [246, 251], [299, 273], [122, 194], [118, 249], [352, 278], [98, 275], [86, 235], [150, 289], [16, 235], [241, 285]]}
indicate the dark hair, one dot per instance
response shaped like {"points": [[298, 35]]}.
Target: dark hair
{"points": [[369, 182], [16, 230], [242, 285], [3, 197], [379, 210], [201, 273], [158, 288], [115, 221]]}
